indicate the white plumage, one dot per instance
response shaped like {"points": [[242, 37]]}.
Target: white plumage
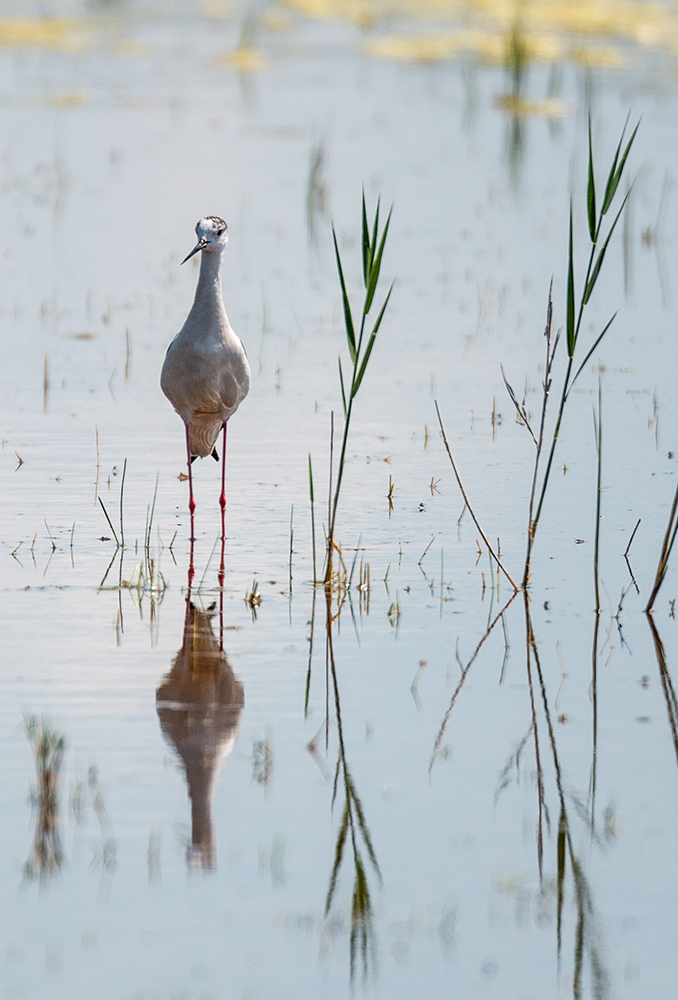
{"points": [[206, 375]]}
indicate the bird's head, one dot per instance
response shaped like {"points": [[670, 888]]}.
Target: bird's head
{"points": [[212, 234]]}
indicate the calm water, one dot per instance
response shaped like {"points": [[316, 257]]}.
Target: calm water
{"points": [[190, 854]]}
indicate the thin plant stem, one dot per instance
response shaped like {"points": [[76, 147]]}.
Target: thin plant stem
{"points": [[551, 346], [311, 496], [468, 504], [122, 492], [291, 546], [110, 523], [667, 545], [598, 425]]}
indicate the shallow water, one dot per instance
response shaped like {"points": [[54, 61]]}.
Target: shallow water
{"points": [[120, 129]]}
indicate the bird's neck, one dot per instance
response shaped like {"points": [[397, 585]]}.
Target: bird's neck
{"points": [[208, 296]]}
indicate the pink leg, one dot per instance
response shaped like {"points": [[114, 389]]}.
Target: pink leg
{"points": [[191, 501], [222, 504]]}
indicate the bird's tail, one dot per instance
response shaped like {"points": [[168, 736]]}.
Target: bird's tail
{"points": [[203, 434]]}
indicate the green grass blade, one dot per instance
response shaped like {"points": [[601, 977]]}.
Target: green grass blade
{"points": [[594, 275], [590, 352], [617, 170], [310, 479], [343, 391], [370, 343], [110, 524], [667, 545], [571, 332], [315, 575], [367, 255], [375, 233], [348, 318], [601, 256], [591, 192], [147, 537], [609, 193], [355, 556], [376, 266]]}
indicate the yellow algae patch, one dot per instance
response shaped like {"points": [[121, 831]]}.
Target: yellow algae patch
{"points": [[128, 48], [647, 24], [67, 34], [643, 23], [360, 12], [418, 48], [597, 58], [277, 20], [489, 46], [367, 11], [244, 58], [216, 9], [550, 107], [71, 99]]}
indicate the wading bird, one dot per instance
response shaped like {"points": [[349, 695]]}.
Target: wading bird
{"points": [[206, 375]]}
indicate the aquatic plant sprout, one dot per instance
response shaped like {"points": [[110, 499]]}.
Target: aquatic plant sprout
{"points": [[597, 253], [373, 243], [574, 313]]}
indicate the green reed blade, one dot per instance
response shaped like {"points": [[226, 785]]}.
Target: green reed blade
{"points": [[367, 249], [571, 332], [601, 256], [667, 545], [348, 318], [110, 525], [617, 169], [591, 192], [376, 266], [312, 498], [370, 343], [343, 391], [310, 479], [373, 240], [147, 537], [355, 556], [590, 352]]}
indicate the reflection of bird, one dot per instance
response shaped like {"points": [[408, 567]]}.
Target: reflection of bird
{"points": [[206, 375], [199, 705]]}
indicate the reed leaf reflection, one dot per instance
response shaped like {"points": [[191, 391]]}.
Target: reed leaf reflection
{"points": [[354, 840], [48, 746]]}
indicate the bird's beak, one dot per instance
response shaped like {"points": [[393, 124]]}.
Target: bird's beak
{"points": [[200, 245]]}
